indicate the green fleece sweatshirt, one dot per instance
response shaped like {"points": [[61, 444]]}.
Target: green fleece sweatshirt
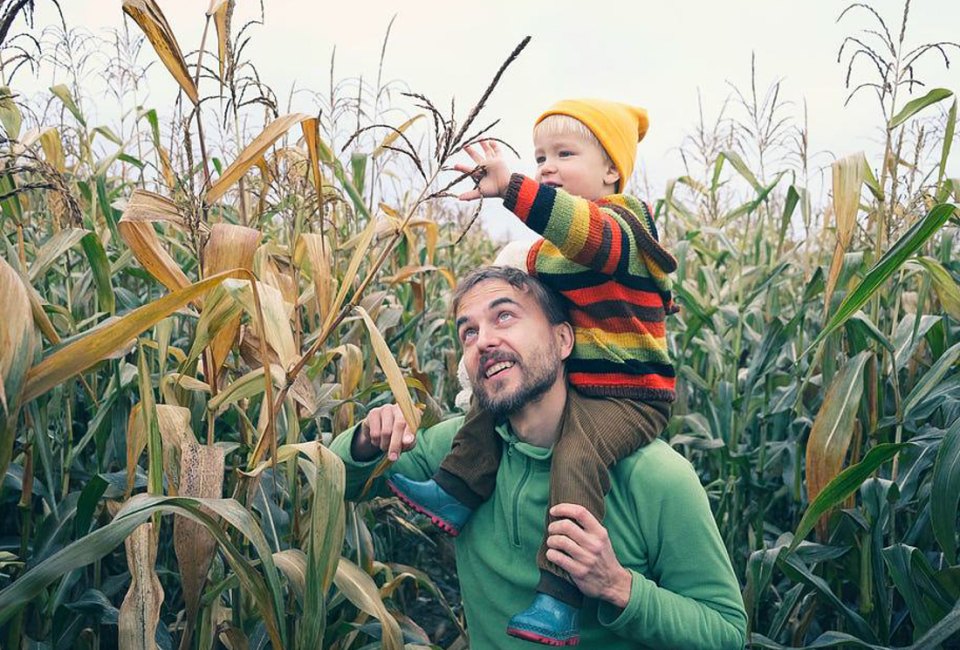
{"points": [[684, 593]]}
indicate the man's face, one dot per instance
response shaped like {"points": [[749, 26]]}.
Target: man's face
{"points": [[512, 353]]}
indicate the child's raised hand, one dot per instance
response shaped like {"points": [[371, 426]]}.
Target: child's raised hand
{"points": [[494, 176]]}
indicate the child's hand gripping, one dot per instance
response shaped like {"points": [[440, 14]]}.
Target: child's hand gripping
{"points": [[490, 171]]}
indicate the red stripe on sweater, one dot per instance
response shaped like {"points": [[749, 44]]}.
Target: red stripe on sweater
{"points": [[621, 380], [623, 324], [612, 291], [525, 197]]}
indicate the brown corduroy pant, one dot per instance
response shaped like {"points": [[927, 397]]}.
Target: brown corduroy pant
{"points": [[595, 433]]}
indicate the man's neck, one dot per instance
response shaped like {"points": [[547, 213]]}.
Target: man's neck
{"points": [[538, 423]]}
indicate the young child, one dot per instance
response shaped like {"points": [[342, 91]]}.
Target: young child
{"points": [[600, 251]]}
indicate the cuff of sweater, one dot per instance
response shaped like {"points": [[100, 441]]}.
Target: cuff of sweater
{"points": [[618, 620], [512, 195]]}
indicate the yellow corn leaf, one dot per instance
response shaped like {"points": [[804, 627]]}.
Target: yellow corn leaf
{"points": [[147, 14], [407, 272], [229, 247], [251, 154], [311, 136], [833, 428], [145, 244], [361, 253], [90, 349], [18, 338], [201, 475], [943, 283], [153, 207], [293, 563], [361, 590], [221, 11], [392, 371], [394, 134], [276, 317], [174, 423], [847, 182], [317, 253], [140, 611]]}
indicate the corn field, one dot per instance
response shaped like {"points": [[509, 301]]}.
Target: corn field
{"points": [[194, 308]]}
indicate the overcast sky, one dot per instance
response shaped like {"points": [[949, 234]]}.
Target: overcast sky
{"points": [[654, 54]]}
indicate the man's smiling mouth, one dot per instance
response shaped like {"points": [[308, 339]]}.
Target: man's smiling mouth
{"points": [[497, 368]]}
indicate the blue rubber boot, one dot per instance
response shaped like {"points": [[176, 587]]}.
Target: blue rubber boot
{"points": [[428, 498], [548, 621]]}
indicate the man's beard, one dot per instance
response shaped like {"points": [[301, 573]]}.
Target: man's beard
{"points": [[536, 379]]}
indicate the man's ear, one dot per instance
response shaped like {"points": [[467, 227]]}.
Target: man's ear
{"points": [[564, 337]]}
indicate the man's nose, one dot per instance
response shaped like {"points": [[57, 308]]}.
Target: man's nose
{"points": [[487, 338]]}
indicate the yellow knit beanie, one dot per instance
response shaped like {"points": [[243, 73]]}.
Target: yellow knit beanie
{"points": [[618, 127]]}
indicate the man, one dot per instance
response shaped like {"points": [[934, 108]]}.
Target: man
{"points": [[655, 572]]}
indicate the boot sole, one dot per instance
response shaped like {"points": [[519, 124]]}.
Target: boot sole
{"points": [[527, 635], [437, 521]]}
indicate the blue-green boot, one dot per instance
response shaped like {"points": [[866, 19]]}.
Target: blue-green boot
{"points": [[428, 498], [549, 621]]}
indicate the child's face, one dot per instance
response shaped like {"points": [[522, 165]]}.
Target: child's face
{"points": [[575, 164]]}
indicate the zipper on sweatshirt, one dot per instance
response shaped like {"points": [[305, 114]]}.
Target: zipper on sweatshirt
{"points": [[527, 469]]}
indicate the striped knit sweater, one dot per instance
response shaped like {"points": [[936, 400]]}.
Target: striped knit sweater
{"points": [[605, 259]]}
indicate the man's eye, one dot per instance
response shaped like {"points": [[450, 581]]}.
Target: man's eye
{"points": [[468, 334], [504, 316]]}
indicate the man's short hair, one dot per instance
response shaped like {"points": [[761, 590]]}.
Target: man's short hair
{"points": [[549, 301]]}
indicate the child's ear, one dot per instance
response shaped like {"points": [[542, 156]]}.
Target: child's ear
{"points": [[611, 176]]}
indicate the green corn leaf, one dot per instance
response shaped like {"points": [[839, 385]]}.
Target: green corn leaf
{"points": [[947, 140], [943, 283], [266, 594], [886, 266], [946, 487], [100, 270], [743, 170], [62, 93], [52, 249], [843, 485], [915, 106], [931, 379]]}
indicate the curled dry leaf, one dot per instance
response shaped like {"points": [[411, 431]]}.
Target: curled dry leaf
{"points": [[140, 611], [18, 343], [229, 247], [147, 15], [201, 475], [847, 182]]}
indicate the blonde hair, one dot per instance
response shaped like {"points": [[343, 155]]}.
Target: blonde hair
{"points": [[565, 125]]}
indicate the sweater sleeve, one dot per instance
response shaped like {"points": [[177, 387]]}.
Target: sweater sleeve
{"points": [[418, 463], [608, 237], [693, 599]]}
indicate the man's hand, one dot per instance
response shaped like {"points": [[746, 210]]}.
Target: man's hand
{"points": [[383, 430], [580, 545], [493, 174]]}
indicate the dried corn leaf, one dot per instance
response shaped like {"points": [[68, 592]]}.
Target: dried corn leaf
{"points": [[317, 253], [18, 338], [140, 611], [394, 134], [276, 316], [229, 247], [407, 272], [833, 428], [53, 249], [201, 475], [174, 424], [390, 368], [221, 11], [251, 154], [90, 349], [311, 136], [847, 183], [361, 253], [136, 228], [361, 590], [293, 564], [147, 14]]}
